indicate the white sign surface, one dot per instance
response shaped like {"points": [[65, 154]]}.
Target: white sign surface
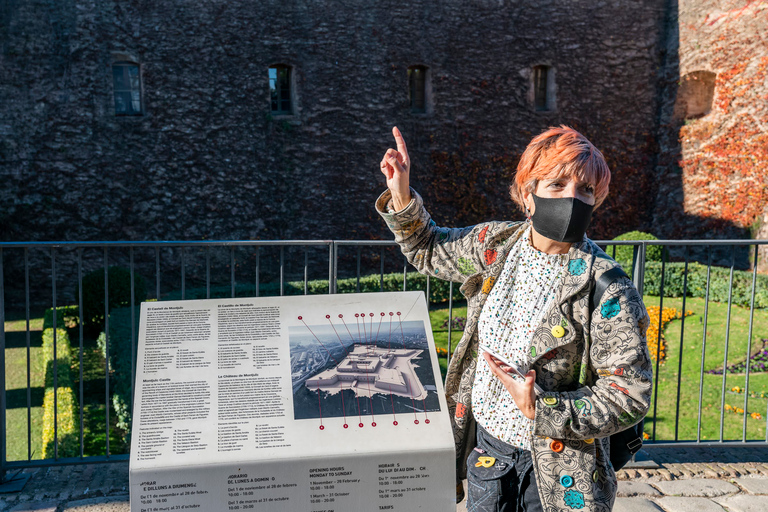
{"points": [[313, 403]]}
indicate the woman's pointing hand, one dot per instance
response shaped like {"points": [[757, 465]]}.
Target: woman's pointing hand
{"points": [[396, 167]]}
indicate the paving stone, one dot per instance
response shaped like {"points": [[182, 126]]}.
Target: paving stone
{"points": [[631, 488], [681, 504], [755, 485], [635, 505], [744, 503], [37, 506], [111, 504], [696, 487]]}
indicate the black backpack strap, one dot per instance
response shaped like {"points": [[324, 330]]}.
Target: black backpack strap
{"points": [[602, 284]]}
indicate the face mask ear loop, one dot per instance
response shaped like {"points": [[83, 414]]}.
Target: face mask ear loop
{"points": [[527, 214]]}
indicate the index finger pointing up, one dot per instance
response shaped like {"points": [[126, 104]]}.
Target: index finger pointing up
{"points": [[401, 148]]}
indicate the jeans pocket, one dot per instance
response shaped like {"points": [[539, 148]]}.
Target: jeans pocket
{"points": [[484, 484]]}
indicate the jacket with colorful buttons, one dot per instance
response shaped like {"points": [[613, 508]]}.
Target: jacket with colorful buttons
{"points": [[593, 366]]}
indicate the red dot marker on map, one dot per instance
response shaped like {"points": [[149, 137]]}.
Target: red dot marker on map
{"points": [[416, 422], [346, 426], [394, 423], [322, 427], [373, 424], [299, 318], [426, 421], [360, 425]]}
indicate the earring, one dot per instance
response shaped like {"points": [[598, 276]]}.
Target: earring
{"points": [[527, 214]]}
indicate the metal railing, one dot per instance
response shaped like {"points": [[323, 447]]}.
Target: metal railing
{"points": [[52, 275]]}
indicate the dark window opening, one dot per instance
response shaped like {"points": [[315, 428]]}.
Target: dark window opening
{"points": [[417, 89], [280, 89], [540, 87], [127, 86]]}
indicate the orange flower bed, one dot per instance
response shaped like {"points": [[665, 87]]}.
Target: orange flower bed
{"points": [[652, 335]]}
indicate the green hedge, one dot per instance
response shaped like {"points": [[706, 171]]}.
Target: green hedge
{"points": [[674, 275], [625, 253], [438, 289], [120, 362], [119, 293], [63, 396]]}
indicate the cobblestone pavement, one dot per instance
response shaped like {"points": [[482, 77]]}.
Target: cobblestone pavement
{"points": [[733, 479]]}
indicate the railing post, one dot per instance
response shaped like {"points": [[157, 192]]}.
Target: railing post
{"points": [[638, 272], [3, 440]]}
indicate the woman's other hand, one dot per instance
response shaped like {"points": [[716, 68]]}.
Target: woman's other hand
{"points": [[523, 394], [396, 167]]}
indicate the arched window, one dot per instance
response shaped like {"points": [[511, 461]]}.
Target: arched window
{"points": [[418, 93], [695, 94], [126, 79], [280, 89], [543, 88]]}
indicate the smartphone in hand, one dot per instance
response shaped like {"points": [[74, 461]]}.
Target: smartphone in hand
{"points": [[513, 367]]}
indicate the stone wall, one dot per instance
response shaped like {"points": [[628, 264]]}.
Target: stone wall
{"points": [[208, 161], [713, 167]]}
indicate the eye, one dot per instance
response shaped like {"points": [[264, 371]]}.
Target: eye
{"points": [[589, 189]]}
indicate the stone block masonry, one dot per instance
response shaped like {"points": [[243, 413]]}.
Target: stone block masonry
{"points": [[208, 160]]}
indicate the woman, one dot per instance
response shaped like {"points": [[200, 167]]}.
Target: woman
{"points": [[528, 288]]}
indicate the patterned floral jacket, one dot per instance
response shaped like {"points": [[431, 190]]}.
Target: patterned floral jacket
{"points": [[594, 366]]}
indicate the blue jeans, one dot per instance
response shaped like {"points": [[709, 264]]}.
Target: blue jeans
{"points": [[508, 485]]}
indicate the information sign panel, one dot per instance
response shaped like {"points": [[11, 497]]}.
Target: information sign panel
{"points": [[320, 403]]}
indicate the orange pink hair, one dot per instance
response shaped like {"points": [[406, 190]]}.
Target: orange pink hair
{"points": [[560, 152]]}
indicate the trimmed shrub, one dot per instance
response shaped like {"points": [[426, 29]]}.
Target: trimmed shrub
{"points": [[67, 316], [120, 362], [62, 396], [624, 253], [119, 293], [674, 276], [438, 289]]}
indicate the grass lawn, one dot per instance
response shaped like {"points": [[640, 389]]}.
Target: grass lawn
{"points": [[667, 376], [19, 416], [94, 393], [688, 357]]}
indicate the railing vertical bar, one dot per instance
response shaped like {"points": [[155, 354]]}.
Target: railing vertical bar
{"points": [[381, 269], [29, 352], [359, 252], [81, 390], [658, 338], [208, 272], [426, 292], [704, 344], [680, 353], [258, 262], [450, 324], [306, 270], [749, 344], [133, 324], [106, 345], [55, 359], [727, 339], [232, 271], [3, 439], [183, 275], [282, 270], [333, 267], [157, 272], [405, 274]]}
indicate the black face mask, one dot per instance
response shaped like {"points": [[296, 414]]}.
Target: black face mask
{"points": [[564, 219]]}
